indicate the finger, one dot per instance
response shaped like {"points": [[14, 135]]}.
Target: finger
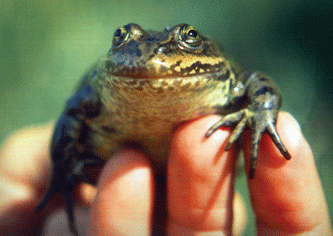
{"points": [[24, 171], [200, 180], [23, 155], [287, 196], [124, 201]]}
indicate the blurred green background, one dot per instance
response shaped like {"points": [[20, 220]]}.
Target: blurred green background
{"points": [[46, 46]]}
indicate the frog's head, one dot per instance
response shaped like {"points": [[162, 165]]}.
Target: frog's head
{"points": [[175, 52]]}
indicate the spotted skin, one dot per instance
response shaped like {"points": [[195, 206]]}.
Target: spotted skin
{"points": [[147, 84]]}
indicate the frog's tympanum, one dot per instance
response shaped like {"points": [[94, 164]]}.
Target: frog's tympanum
{"points": [[147, 84]]}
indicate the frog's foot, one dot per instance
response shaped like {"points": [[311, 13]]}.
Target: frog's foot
{"points": [[259, 122], [65, 183]]}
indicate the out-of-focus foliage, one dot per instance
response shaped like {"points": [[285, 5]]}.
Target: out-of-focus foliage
{"points": [[45, 46]]}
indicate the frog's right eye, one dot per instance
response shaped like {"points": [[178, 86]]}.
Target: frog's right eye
{"points": [[119, 36], [190, 39]]}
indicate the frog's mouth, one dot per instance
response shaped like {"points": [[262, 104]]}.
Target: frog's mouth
{"points": [[155, 69], [219, 75]]}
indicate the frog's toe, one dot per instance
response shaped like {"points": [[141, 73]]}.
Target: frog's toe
{"points": [[258, 128], [50, 193], [255, 139], [271, 130], [259, 123], [67, 194], [65, 185], [236, 133], [227, 121]]}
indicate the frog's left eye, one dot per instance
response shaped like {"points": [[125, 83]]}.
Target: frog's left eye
{"points": [[119, 36], [190, 38]]}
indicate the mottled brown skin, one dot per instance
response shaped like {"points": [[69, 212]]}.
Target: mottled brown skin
{"points": [[147, 84]]}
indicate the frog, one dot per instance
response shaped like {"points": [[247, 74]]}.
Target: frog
{"points": [[147, 84]]}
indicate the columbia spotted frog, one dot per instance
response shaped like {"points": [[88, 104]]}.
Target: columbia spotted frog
{"points": [[146, 85]]}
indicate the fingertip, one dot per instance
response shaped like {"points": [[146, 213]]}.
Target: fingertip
{"points": [[289, 130], [87, 193], [124, 201], [25, 155], [286, 117], [24, 175]]}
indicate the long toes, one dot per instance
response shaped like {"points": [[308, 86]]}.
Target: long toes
{"points": [[51, 192], [256, 136], [235, 134], [70, 210], [228, 120], [54, 188], [277, 141], [215, 127]]}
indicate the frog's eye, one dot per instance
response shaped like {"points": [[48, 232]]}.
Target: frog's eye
{"points": [[119, 36], [190, 38], [192, 34]]}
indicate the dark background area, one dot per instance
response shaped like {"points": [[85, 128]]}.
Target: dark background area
{"points": [[46, 46]]}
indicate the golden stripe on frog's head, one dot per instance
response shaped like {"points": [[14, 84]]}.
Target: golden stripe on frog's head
{"points": [[172, 53]]}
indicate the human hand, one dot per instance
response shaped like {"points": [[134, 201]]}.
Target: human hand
{"points": [[286, 196]]}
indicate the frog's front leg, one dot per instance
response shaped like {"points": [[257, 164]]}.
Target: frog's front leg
{"points": [[259, 101], [68, 150]]}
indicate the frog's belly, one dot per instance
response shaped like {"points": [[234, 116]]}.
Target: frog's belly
{"points": [[149, 113], [152, 132], [155, 142]]}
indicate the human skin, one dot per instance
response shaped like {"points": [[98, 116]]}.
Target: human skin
{"points": [[287, 197]]}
